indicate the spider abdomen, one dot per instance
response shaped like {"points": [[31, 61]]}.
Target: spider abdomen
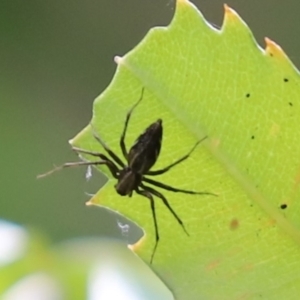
{"points": [[145, 151]]}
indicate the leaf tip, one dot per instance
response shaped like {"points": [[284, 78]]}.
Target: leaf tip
{"points": [[226, 7], [182, 2], [93, 200], [136, 246], [272, 48], [230, 14], [118, 59], [89, 203]]}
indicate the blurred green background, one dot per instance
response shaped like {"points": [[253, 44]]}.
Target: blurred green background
{"points": [[56, 57]]}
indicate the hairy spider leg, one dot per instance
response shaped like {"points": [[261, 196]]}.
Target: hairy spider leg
{"points": [[122, 139], [114, 156], [149, 196], [166, 203], [173, 189], [148, 192], [110, 164], [166, 169], [78, 163]]}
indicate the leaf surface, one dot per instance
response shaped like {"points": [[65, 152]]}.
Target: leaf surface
{"points": [[202, 81]]}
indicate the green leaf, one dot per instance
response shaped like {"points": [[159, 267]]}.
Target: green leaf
{"points": [[203, 81]]}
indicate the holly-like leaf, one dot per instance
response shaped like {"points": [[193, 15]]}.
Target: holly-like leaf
{"points": [[243, 244]]}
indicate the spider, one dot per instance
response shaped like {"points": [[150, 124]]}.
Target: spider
{"points": [[132, 176]]}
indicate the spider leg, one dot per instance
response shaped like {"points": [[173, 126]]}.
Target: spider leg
{"points": [[122, 139], [110, 164], [166, 169], [166, 203], [148, 195], [173, 189], [89, 152], [112, 167], [92, 153], [114, 156]]}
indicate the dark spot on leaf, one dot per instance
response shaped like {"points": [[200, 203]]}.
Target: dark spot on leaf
{"points": [[248, 95], [285, 79], [252, 137], [271, 54], [234, 224], [290, 103], [283, 206]]}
